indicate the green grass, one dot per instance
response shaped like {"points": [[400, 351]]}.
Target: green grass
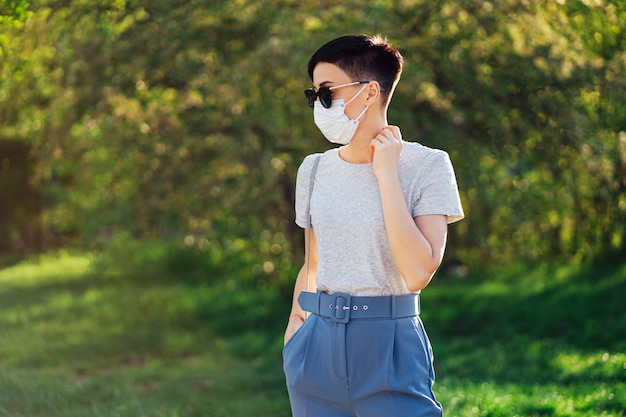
{"points": [[80, 343], [147, 332], [530, 342]]}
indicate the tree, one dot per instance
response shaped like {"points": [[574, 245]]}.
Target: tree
{"points": [[186, 120]]}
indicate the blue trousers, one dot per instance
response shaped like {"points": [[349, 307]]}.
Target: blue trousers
{"points": [[379, 367]]}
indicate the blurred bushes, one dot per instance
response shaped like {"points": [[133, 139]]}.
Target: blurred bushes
{"points": [[230, 268], [184, 122], [225, 289]]}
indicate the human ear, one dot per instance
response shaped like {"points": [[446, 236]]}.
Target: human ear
{"points": [[373, 92]]}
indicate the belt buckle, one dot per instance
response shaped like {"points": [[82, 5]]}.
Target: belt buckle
{"points": [[342, 306]]}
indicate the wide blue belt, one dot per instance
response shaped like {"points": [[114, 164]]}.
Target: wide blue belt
{"points": [[342, 308]]}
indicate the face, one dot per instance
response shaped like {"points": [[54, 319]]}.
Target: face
{"points": [[327, 75]]}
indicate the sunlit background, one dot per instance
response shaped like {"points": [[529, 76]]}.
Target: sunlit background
{"points": [[148, 152]]}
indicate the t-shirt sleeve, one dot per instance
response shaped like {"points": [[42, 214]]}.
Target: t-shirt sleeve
{"points": [[438, 191], [303, 183]]}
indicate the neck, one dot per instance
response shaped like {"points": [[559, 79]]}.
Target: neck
{"points": [[358, 150]]}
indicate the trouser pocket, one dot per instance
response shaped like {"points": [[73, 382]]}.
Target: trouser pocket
{"points": [[294, 351]]}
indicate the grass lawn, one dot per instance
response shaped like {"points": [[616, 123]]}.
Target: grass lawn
{"points": [[77, 341], [540, 342]]}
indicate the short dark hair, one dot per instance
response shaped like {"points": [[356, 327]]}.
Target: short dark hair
{"points": [[363, 57]]}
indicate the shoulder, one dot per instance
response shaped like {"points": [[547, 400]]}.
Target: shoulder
{"points": [[308, 161], [418, 155], [305, 168]]}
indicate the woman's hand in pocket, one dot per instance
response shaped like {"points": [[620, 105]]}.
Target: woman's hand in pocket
{"points": [[295, 321]]}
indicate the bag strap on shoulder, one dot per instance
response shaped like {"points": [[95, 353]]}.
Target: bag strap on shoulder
{"points": [[308, 252]]}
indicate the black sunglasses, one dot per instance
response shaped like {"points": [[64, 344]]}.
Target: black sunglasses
{"points": [[324, 94]]}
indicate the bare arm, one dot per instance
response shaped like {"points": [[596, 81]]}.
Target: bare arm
{"points": [[417, 244], [297, 315]]}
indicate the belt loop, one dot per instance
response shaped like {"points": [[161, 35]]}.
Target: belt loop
{"points": [[393, 306], [318, 302]]}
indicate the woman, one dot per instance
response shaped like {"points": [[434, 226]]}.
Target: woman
{"points": [[375, 214]]}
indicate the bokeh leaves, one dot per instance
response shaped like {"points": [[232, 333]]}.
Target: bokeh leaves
{"points": [[185, 120]]}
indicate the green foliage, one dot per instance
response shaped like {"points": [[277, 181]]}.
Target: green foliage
{"points": [[185, 121], [14, 13]]}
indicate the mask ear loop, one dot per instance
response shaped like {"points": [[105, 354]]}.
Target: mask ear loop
{"points": [[357, 94], [362, 113], [308, 252]]}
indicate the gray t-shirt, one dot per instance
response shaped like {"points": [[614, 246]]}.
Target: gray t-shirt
{"points": [[346, 213]]}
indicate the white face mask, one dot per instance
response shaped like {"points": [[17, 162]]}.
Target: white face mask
{"points": [[334, 124]]}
